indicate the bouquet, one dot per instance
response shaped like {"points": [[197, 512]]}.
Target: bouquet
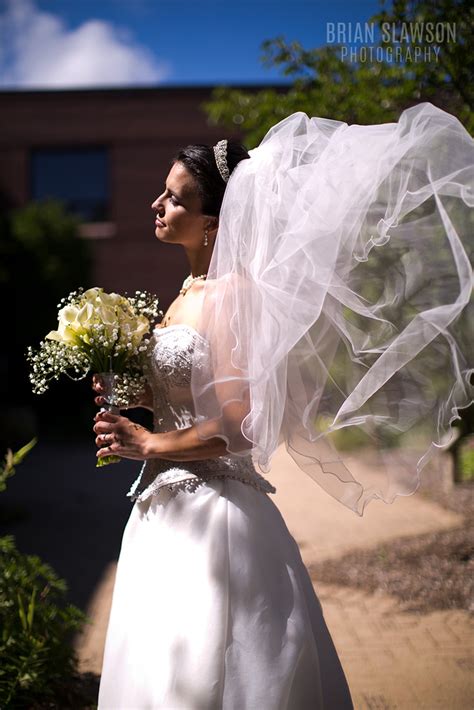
{"points": [[105, 333]]}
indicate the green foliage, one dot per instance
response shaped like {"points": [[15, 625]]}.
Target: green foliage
{"points": [[350, 439], [462, 449], [356, 437], [13, 459], [42, 240], [42, 258], [325, 85], [37, 660], [448, 81], [36, 655], [467, 460], [45, 258]]}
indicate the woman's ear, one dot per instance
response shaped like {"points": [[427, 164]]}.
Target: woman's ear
{"points": [[212, 224]]}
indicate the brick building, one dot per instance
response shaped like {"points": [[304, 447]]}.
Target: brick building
{"points": [[106, 153]]}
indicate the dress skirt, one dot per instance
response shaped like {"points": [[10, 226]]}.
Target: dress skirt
{"points": [[213, 609]]}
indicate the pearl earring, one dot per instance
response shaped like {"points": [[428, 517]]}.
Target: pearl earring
{"points": [[205, 238]]}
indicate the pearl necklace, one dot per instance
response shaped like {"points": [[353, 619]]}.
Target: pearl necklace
{"points": [[188, 282]]}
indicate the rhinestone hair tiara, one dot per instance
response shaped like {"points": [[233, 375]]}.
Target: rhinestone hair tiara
{"points": [[220, 154]]}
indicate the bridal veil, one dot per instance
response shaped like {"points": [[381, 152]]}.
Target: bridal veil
{"points": [[339, 296]]}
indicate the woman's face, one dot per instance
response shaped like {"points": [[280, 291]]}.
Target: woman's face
{"points": [[179, 219]]}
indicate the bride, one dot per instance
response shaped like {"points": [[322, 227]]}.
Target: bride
{"points": [[213, 606]]}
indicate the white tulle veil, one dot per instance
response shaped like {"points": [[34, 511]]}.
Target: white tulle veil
{"points": [[339, 296]]}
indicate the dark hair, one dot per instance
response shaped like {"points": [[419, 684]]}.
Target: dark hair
{"points": [[200, 161]]}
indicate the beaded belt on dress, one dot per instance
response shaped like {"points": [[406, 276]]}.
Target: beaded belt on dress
{"points": [[158, 473]]}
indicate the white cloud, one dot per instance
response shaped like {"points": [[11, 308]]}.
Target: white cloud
{"points": [[39, 51]]}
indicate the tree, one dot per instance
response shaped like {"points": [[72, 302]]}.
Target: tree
{"points": [[323, 84], [364, 92], [42, 259]]}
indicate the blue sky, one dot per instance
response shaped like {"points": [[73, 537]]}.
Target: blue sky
{"points": [[79, 43]]}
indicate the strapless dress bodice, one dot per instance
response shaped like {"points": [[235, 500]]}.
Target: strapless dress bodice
{"points": [[169, 362]]}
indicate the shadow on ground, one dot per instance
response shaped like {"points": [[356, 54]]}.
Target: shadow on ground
{"points": [[61, 507]]}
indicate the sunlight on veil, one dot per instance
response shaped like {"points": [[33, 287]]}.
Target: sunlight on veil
{"points": [[339, 298]]}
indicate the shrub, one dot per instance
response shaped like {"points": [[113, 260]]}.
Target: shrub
{"points": [[37, 659], [36, 654]]}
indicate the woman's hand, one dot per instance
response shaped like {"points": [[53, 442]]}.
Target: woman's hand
{"points": [[118, 435], [145, 399]]}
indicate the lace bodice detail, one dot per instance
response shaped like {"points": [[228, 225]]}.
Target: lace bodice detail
{"points": [[170, 357]]}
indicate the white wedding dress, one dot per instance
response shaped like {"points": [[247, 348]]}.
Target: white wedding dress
{"points": [[212, 607]]}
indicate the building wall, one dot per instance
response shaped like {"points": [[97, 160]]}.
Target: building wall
{"points": [[142, 129]]}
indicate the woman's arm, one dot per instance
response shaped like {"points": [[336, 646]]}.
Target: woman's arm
{"points": [[184, 445], [118, 435]]}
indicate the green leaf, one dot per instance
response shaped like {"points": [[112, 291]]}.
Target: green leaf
{"points": [[31, 609], [106, 460], [21, 613], [12, 460], [19, 455]]}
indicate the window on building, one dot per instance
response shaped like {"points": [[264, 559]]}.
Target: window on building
{"points": [[79, 177]]}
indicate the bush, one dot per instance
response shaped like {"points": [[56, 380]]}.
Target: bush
{"points": [[13, 459], [37, 660], [466, 456], [42, 259]]}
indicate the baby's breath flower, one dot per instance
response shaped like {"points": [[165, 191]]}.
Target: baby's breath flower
{"points": [[53, 359], [127, 389]]}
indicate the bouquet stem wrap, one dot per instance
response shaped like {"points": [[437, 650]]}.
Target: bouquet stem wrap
{"points": [[108, 380]]}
